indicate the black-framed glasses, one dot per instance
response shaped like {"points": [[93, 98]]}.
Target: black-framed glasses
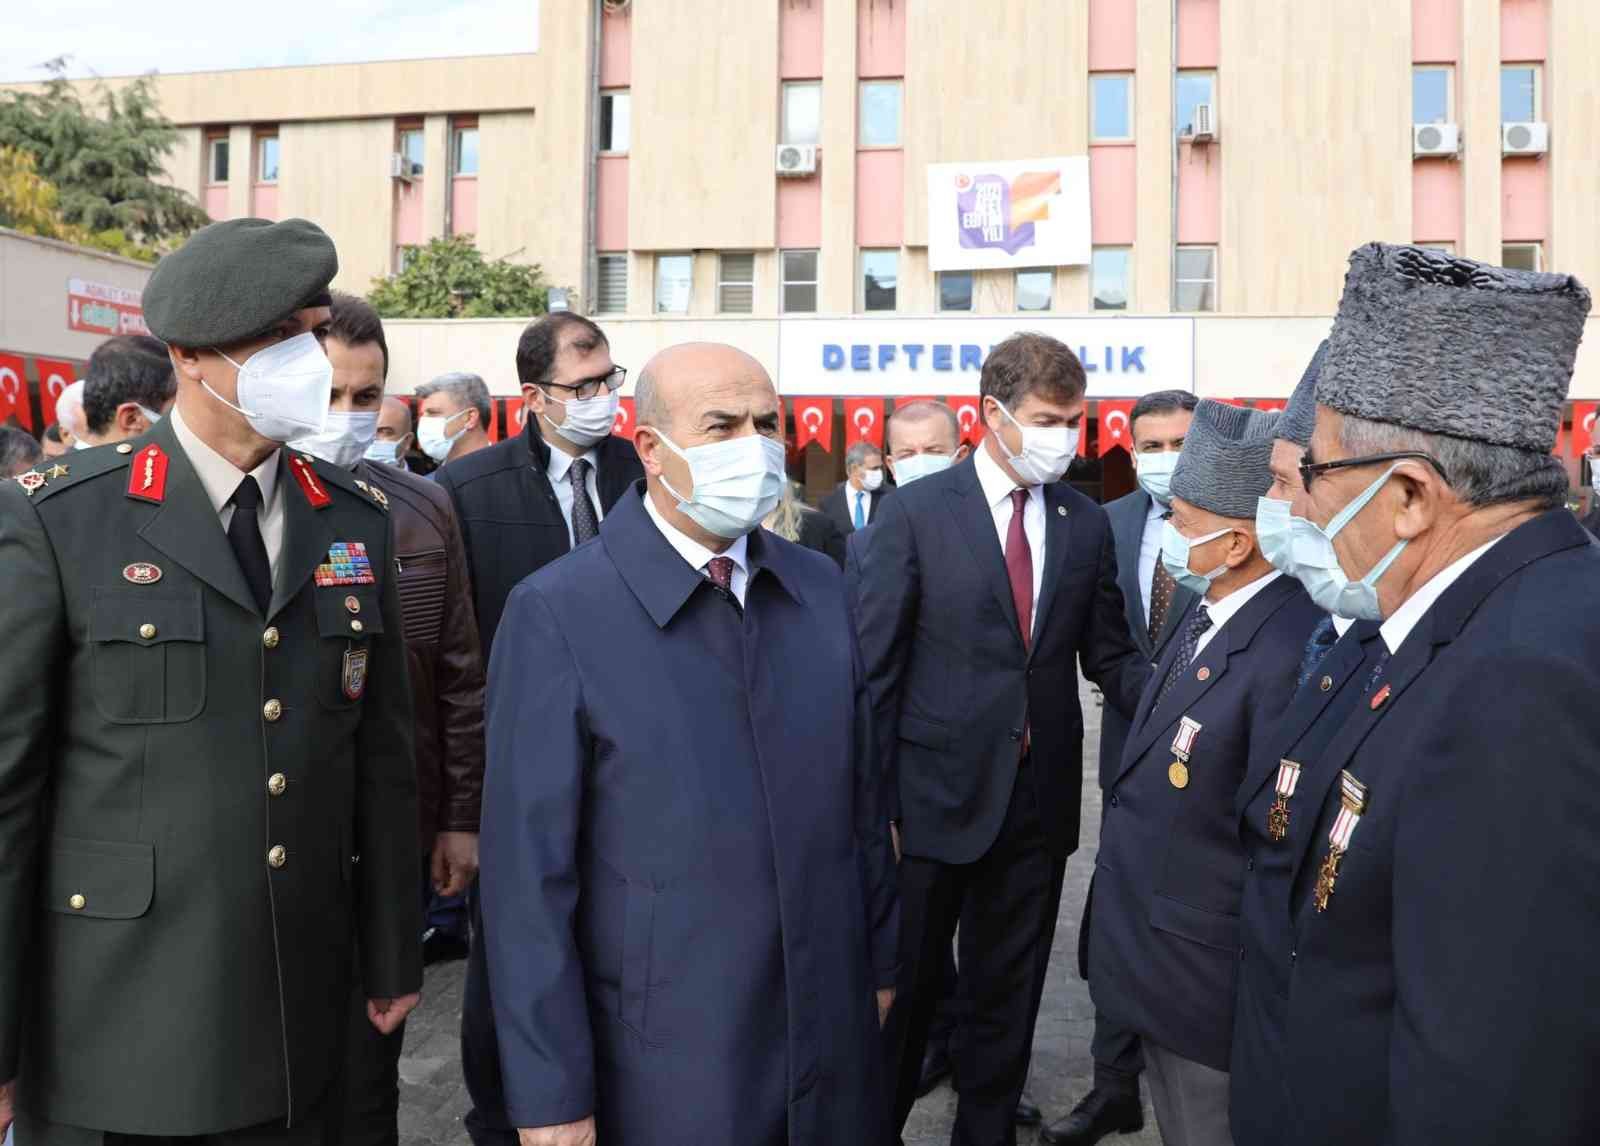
{"points": [[1309, 470], [611, 381]]}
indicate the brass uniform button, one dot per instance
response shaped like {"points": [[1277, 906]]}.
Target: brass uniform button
{"points": [[277, 857], [356, 626], [272, 709], [270, 638], [124, 448], [276, 783], [147, 631], [77, 902]]}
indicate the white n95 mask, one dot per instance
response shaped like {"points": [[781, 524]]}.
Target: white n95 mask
{"points": [[736, 483], [283, 389]]}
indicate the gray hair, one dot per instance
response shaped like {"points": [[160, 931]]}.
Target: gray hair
{"points": [[467, 389], [1478, 473], [859, 453], [648, 408], [921, 411]]}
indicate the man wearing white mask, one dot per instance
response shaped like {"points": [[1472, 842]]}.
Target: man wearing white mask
{"points": [[453, 415], [855, 502], [984, 589], [688, 889]]}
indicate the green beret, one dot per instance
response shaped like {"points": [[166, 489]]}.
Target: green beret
{"points": [[236, 280]]}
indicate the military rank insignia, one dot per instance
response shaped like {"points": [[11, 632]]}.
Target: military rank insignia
{"points": [[373, 492], [353, 680], [347, 564], [1182, 749], [31, 481], [1352, 803], [147, 475], [305, 476], [1278, 815]]}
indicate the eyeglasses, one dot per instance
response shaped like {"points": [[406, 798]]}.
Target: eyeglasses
{"points": [[1309, 470], [611, 381]]}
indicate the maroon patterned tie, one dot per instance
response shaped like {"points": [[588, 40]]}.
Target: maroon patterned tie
{"points": [[1019, 566], [721, 570]]}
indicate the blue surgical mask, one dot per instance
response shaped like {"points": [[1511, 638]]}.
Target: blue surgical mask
{"points": [[909, 469], [1304, 551], [1175, 556], [1155, 474], [385, 453]]}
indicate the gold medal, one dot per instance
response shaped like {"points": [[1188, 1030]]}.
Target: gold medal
{"points": [[1178, 773], [1326, 876], [1278, 819]]}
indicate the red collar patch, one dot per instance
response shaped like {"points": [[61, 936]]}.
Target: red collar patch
{"points": [[147, 476], [305, 476]]}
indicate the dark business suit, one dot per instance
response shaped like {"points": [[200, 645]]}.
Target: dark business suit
{"points": [[1592, 521], [687, 885], [1447, 991], [510, 518], [953, 688], [840, 505], [818, 532]]}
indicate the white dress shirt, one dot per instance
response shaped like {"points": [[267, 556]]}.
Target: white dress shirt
{"points": [[1398, 627], [1221, 611], [997, 489], [220, 478], [697, 555], [560, 464], [1150, 551]]}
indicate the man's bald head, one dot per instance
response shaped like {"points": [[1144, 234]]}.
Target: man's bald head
{"points": [[394, 416], [679, 372]]}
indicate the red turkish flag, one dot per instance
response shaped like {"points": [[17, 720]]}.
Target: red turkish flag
{"points": [[622, 425], [1115, 428], [54, 377], [863, 421], [1229, 401], [813, 422], [14, 391], [1563, 438], [903, 402], [969, 414], [516, 415], [1266, 404], [1583, 419]]}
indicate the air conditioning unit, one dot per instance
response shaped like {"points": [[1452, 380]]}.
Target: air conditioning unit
{"points": [[1524, 138], [1435, 139], [402, 168], [796, 160], [1205, 123]]}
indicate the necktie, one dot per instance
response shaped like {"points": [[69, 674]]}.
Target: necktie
{"points": [[585, 521], [861, 514], [244, 534], [1162, 587], [1019, 565], [1322, 640], [720, 570], [1198, 624]]}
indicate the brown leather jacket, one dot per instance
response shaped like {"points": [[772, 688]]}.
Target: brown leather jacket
{"points": [[442, 653]]}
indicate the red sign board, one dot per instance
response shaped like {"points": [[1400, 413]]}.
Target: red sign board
{"points": [[96, 308]]}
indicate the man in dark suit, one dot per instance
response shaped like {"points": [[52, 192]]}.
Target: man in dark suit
{"points": [[527, 500], [1444, 912], [983, 590], [1165, 903], [1591, 520], [688, 882], [855, 502]]}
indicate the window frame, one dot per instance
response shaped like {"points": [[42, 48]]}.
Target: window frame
{"points": [[1016, 294], [972, 292], [785, 282], [862, 254], [1213, 281], [1538, 91], [1128, 78], [401, 134], [723, 281], [1534, 245], [1442, 246], [783, 112], [899, 85], [457, 131], [1449, 72], [1126, 249], [661, 258], [1177, 82], [610, 258], [212, 143], [612, 94], [260, 158]]}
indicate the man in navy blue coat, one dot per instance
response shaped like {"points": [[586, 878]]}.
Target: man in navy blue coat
{"points": [[1164, 909], [687, 876], [1445, 909]]}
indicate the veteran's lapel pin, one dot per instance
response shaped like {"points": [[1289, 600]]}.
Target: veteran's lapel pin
{"points": [[1352, 804], [1379, 697], [141, 573], [1182, 749], [1278, 815]]}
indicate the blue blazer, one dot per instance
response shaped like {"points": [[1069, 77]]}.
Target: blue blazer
{"points": [[687, 883], [1164, 914], [1448, 992], [952, 683]]}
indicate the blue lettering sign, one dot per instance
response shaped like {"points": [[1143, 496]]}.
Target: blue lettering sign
{"points": [[913, 352], [885, 355], [1133, 359], [971, 356], [941, 356], [860, 356], [832, 356], [1083, 357]]}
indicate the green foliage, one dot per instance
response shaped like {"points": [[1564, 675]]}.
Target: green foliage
{"points": [[450, 278], [31, 204], [105, 161]]}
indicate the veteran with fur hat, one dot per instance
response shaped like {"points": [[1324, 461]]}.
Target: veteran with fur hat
{"points": [[207, 802], [1163, 927], [1442, 907]]}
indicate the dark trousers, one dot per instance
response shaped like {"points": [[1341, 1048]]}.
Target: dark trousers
{"points": [[371, 1085], [1005, 905], [944, 1012], [1118, 1056], [310, 1130]]}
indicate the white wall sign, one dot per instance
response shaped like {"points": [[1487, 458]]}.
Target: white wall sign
{"points": [[1017, 213], [1123, 357]]}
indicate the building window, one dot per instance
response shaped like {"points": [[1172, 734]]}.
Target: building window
{"points": [[799, 282], [412, 147], [1111, 273], [880, 275], [1442, 248], [267, 159], [1432, 95], [1522, 256], [1192, 90], [674, 275], [802, 112], [736, 283], [465, 150], [1519, 93], [1197, 279], [880, 113], [955, 290], [615, 121], [1035, 289], [611, 284], [1111, 108], [217, 161]]}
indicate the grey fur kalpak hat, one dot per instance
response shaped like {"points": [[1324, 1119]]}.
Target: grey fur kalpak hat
{"points": [[1446, 345], [1300, 416], [1224, 466]]}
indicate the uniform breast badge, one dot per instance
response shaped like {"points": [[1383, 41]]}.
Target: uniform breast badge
{"points": [[347, 564], [354, 677], [1352, 803], [31, 482], [373, 492], [1182, 749], [1278, 815]]}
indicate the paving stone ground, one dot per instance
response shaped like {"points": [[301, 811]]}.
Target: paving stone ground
{"points": [[433, 1098]]}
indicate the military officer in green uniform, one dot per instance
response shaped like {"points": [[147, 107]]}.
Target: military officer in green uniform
{"points": [[206, 781]]}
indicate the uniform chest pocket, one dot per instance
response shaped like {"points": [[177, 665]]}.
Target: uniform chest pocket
{"points": [[148, 655], [348, 616]]}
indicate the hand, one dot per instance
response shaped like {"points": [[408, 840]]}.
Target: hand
{"points": [[7, 1113], [894, 838], [885, 1001], [387, 1014], [568, 1134], [455, 861]]}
